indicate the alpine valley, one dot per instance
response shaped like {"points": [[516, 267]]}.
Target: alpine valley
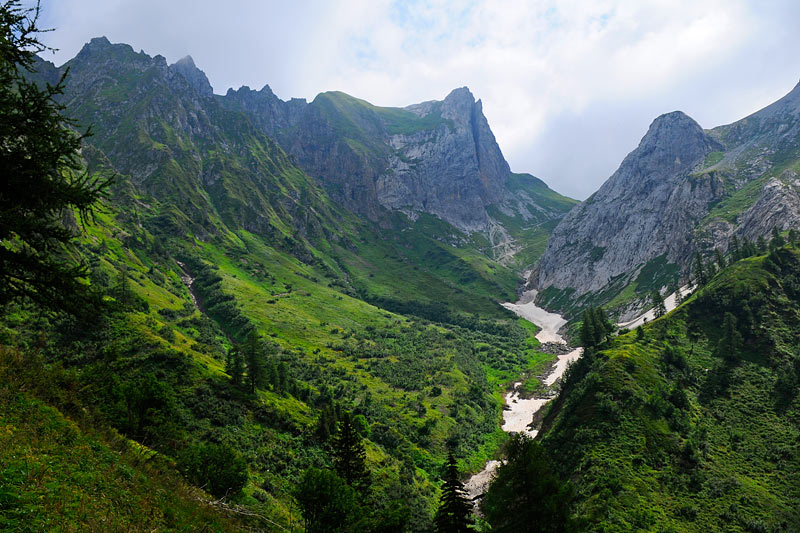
{"points": [[301, 321]]}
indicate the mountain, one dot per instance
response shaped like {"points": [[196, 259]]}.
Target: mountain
{"points": [[682, 190], [691, 422], [437, 157], [216, 241]]}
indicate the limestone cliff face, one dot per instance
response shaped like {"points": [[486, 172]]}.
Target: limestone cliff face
{"points": [[271, 114], [647, 208], [682, 190], [196, 77], [435, 157], [453, 170]]}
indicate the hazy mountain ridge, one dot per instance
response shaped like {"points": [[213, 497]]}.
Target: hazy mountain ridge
{"points": [[682, 190]]}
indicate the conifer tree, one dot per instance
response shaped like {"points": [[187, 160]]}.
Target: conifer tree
{"points": [[255, 360], [234, 366], [748, 248], [283, 377], [595, 327], [272, 374], [349, 454], [122, 289], [735, 249], [719, 259], [777, 239], [711, 269], [587, 334], [659, 309], [603, 326], [731, 340], [326, 422], [455, 513], [43, 182], [700, 274], [526, 494]]}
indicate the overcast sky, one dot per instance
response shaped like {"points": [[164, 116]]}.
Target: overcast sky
{"points": [[568, 86]]}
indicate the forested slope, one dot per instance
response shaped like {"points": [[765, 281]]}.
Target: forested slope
{"points": [[691, 422]]}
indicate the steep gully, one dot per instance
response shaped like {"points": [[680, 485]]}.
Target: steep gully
{"points": [[188, 280], [519, 412]]}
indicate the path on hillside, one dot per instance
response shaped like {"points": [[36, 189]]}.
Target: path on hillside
{"points": [[519, 413]]}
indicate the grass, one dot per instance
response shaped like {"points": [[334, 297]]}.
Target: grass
{"points": [[57, 476]]}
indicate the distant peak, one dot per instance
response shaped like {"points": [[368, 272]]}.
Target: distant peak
{"points": [[196, 77], [100, 41], [462, 94], [675, 137], [672, 121], [266, 89], [97, 44], [186, 60], [102, 46]]}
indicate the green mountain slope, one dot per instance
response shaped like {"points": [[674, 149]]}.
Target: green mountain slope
{"points": [[210, 232], [684, 427], [60, 476]]}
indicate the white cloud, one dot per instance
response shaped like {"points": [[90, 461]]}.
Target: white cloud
{"points": [[569, 86]]}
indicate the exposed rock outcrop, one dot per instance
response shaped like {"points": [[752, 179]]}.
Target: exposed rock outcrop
{"points": [[682, 190], [647, 208], [196, 77], [437, 157]]}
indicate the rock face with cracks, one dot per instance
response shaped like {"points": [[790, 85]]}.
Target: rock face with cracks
{"points": [[647, 208], [436, 157], [682, 190]]}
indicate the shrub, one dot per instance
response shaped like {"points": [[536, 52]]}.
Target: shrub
{"points": [[217, 468]]}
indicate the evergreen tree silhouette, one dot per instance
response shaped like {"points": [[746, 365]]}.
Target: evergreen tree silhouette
{"points": [[255, 360], [44, 181], [349, 454], [234, 366], [455, 513]]}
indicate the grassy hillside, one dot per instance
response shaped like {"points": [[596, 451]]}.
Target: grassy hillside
{"points": [[672, 428], [424, 373], [403, 329], [58, 475], [211, 233]]}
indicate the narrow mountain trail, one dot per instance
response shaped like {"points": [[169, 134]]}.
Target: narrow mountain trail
{"points": [[520, 411]]}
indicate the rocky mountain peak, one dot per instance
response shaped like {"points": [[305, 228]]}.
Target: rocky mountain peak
{"points": [[196, 77], [676, 133], [672, 146], [102, 47], [458, 104], [460, 94], [98, 43], [642, 212]]}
